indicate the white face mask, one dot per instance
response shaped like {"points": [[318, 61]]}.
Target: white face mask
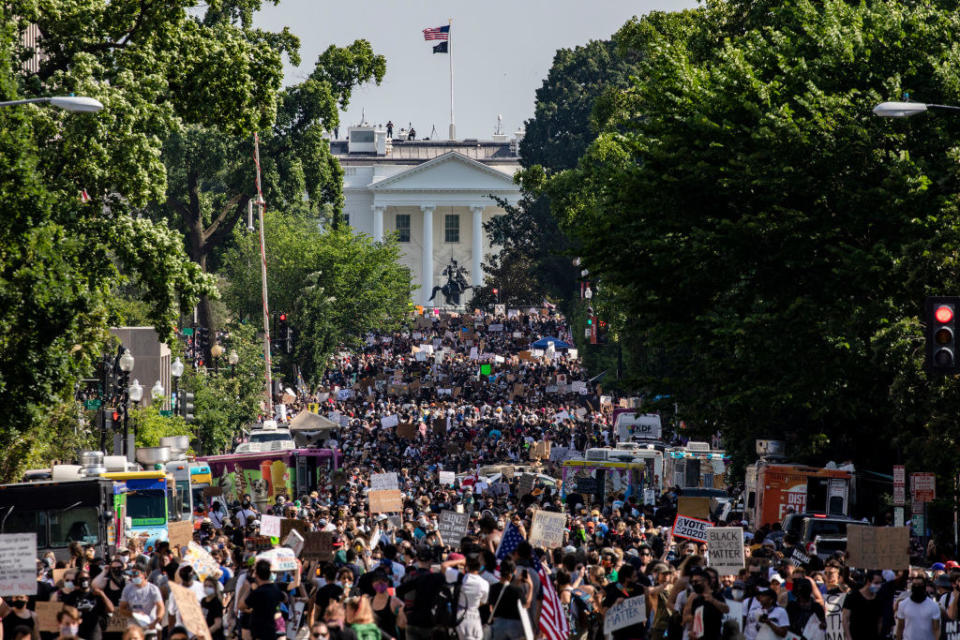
{"points": [[69, 629], [209, 591], [138, 580], [68, 586]]}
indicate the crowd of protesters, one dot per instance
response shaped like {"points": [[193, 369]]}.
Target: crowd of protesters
{"points": [[392, 576]]}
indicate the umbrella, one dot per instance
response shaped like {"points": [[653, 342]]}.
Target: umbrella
{"points": [[543, 343]]}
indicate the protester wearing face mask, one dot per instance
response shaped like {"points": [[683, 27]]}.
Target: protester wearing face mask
{"points": [[212, 606], [704, 610], [142, 600], [387, 610], [918, 617], [68, 623], [92, 605], [862, 610], [15, 614]]}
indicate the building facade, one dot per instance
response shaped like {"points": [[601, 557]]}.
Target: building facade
{"points": [[434, 196]]}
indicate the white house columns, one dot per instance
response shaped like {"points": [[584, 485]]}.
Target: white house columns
{"points": [[427, 273], [378, 222], [477, 248]]}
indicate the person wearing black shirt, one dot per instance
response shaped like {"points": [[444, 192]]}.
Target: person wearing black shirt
{"points": [[330, 591], [262, 603], [705, 607], [802, 607], [863, 611], [419, 594], [503, 599], [93, 604], [212, 607], [624, 588]]}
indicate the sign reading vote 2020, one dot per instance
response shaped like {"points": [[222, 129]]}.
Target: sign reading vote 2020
{"points": [[690, 528]]}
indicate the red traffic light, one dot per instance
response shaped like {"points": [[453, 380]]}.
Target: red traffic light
{"points": [[496, 291], [283, 317], [943, 314]]}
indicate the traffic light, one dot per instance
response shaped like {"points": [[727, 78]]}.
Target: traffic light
{"points": [[282, 327], [201, 345], [186, 406], [602, 332], [941, 322], [289, 339], [591, 331]]}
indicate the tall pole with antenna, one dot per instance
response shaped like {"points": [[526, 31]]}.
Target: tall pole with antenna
{"points": [[263, 275], [453, 127]]}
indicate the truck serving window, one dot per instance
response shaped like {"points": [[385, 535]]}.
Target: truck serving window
{"points": [[75, 525], [20, 521]]}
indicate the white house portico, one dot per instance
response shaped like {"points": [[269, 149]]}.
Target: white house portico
{"points": [[435, 206]]}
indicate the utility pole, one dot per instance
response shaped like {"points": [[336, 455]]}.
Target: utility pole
{"points": [[268, 383]]}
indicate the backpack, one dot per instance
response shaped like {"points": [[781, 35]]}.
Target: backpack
{"points": [[445, 610]]}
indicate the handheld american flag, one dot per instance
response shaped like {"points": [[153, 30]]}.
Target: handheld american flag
{"points": [[508, 541]]}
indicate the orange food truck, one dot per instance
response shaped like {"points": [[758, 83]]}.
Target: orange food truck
{"points": [[771, 488]]}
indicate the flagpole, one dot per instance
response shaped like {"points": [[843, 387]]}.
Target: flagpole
{"points": [[453, 128]]}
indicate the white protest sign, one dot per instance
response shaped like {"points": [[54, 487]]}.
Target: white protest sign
{"points": [[447, 478], [344, 394], [625, 613], [547, 529], [525, 622], [383, 481], [725, 547], [18, 564], [389, 421], [690, 528], [834, 611], [294, 541], [270, 526]]}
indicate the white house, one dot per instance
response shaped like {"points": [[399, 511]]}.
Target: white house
{"points": [[434, 195]]}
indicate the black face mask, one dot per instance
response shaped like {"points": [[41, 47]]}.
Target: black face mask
{"points": [[19, 604], [699, 587], [918, 593], [84, 584]]}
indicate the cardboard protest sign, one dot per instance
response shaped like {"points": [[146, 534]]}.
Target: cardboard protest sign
{"points": [[725, 548], [116, 624], [547, 529], [270, 526], [292, 524], [384, 481], [389, 421], [388, 501], [690, 528], [294, 540], [47, 616], [440, 425], [317, 545], [447, 478], [190, 612], [541, 450], [452, 526], [18, 563], [878, 547], [694, 506], [180, 533], [407, 431], [624, 614], [527, 481]]}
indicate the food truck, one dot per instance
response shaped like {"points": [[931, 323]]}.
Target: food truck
{"points": [[695, 466], [265, 475], [602, 478], [151, 503], [773, 488]]}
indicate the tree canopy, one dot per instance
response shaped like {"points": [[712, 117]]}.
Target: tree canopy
{"points": [[748, 211]]}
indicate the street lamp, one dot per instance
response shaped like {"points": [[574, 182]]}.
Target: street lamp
{"points": [[233, 358], [135, 391], [135, 395], [907, 109], [156, 392], [215, 352], [126, 361], [73, 104]]}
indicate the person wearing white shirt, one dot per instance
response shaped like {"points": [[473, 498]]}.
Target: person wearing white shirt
{"points": [[188, 581], [918, 617], [474, 592], [767, 618]]}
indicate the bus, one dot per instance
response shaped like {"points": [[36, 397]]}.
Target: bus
{"points": [[83, 510], [152, 502]]}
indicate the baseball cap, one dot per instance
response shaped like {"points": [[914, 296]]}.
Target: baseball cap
{"points": [[937, 566]]}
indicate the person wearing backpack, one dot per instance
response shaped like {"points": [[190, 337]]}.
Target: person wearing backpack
{"points": [[474, 591], [420, 593]]}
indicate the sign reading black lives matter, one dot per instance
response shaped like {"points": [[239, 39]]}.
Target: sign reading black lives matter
{"points": [[725, 548], [690, 528]]}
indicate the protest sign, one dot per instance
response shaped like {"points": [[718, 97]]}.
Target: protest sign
{"points": [[725, 548], [47, 615], [292, 524], [541, 450], [798, 558], [317, 545], [694, 506], [951, 629], [389, 421], [452, 526], [270, 526], [18, 564], [690, 528], [625, 614], [447, 478], [587, 485], [190, 612], [834, 610], [385, 501], [117, 623], [383, 481], [202, 562], [294, 540], [527, 481], [878, 547], [547, 529], [180, 533], [407, 431]]}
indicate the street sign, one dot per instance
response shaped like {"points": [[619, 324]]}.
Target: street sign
{"points": [[188, 331], [899, 486], [923, 487], [93, 404]]}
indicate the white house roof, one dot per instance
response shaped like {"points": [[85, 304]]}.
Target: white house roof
{"points": [[451, 171]]}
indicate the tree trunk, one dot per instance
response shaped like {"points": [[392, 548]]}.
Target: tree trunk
{"points": [[197, 250]]}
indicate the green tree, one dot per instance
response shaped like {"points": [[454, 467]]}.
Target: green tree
{"points": [[157, 68], [335, 285], [770, 233], [212, 174]]}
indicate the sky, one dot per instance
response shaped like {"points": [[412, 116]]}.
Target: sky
{"points": [[502, 51]]}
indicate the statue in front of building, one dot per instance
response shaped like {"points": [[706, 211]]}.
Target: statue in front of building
{"points": [[455, 286]]}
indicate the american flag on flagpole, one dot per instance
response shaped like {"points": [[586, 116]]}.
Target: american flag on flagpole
{"points": [[437, 33]]}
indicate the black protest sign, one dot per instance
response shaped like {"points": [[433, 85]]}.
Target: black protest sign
{"points": [[452, 526]]}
